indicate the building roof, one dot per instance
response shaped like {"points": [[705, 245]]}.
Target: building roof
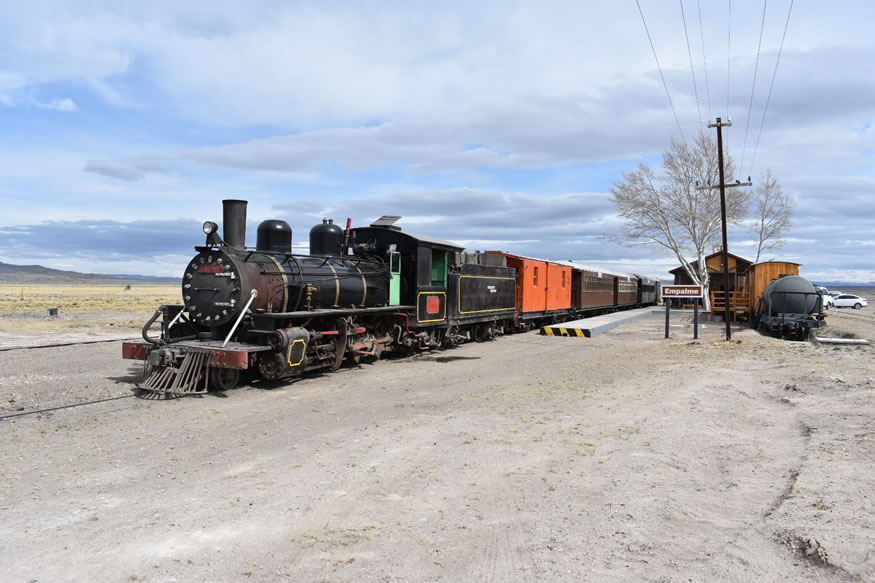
{"points": [[736, 257]]}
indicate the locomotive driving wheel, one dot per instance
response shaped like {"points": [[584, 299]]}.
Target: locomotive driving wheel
{"points": [[224, 379]]}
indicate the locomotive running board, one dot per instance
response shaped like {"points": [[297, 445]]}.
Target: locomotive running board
{"points": [[183, 380]]}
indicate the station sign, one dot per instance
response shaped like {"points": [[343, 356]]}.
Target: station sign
{"points": [[682, 291]]}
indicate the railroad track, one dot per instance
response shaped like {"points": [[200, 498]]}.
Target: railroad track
{"points": [[60, 407], [65, 406], [60, 344]]}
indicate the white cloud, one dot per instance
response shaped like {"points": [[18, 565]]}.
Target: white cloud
{"points": [[309, 64], [59, 105]]}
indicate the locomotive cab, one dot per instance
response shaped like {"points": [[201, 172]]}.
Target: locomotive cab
{"points": [[419, 267]]}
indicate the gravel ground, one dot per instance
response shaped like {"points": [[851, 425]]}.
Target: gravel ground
{"points": [[625, 457]]}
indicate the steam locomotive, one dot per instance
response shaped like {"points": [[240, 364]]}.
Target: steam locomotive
{"points": [[359, 293]]}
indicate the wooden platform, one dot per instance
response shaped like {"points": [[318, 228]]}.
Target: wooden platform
{"points": [[589, 327]]}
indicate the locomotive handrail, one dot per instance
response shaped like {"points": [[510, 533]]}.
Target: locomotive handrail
{"points": [[252, 295], [176, 318], [149, 323]]}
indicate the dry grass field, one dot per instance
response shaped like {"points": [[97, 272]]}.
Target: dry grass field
{"points": [[37, 299], [87, 308]]}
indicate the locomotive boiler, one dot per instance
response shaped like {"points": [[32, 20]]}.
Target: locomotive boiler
{"points": [[224, 280]]}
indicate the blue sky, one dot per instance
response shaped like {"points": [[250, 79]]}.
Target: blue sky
{"points": [[497, 125]]}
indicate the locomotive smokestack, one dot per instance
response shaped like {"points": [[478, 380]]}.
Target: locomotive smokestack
{"points": [[234, 222]]}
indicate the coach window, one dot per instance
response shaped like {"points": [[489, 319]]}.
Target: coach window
{"points": [[563, 279], [536, 277]]}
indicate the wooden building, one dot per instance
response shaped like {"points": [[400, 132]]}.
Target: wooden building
{"points": [[738, 268], [762, 274], [747, 281]]}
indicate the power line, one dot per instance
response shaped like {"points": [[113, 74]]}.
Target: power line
{"points": [[664, 84], [728, 47], [756, 66], [704, 58], [692, 70], [772, 86]]}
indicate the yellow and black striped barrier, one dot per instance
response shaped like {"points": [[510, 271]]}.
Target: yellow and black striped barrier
{"points": [[553, 331]]}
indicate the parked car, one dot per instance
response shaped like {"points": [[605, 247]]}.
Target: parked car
{"points": [[828, 299], [850, 301]]}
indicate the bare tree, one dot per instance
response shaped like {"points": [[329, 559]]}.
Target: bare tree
{"points": [[664, 209], [773, 208]]}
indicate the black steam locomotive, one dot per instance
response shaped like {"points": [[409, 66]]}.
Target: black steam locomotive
{"points": [[361, 292]]}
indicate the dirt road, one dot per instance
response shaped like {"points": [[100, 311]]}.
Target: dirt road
{"points": [[622, 457]]}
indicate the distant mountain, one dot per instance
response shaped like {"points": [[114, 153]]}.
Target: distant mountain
{"points": [[10, 273], [838, 284]]}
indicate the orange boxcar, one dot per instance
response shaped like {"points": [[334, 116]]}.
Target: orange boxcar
{"points": [[558, 287], [541, 285]]}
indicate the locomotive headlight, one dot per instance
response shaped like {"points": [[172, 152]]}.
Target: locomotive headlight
{"points": [[210, 227]]}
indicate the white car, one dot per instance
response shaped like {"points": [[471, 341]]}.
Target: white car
{"points": [[850, 301], [828, 299]]}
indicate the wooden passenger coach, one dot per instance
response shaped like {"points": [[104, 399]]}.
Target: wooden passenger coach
{"points": [[627, 290], [591, 288]]}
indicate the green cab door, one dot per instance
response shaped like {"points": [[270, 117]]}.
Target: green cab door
{"points": [[394, 278]]}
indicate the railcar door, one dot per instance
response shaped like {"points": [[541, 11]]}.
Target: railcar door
{"points": [[394, 278]]}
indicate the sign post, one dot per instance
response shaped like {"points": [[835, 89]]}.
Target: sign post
{"points": [[670, 292]]}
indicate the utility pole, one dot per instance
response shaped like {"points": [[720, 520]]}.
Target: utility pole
{"points": [[723, 186]]}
